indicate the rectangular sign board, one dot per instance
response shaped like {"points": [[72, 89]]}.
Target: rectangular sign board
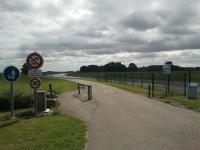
{"points": [[35, 73], [166, 69]]}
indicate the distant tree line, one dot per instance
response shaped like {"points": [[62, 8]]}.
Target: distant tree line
{"points": [[119, 67]]}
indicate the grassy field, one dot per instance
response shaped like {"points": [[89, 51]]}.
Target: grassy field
{"points": [[24, 94], [22, 85], [55, 132]]}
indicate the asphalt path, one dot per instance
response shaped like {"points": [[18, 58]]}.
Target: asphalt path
{"points": [[120, 120]]}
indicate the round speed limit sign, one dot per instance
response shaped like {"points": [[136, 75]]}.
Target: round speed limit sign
{"points": [[35, 83]]}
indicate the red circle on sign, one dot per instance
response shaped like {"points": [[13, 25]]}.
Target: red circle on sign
{"points": [[35, 83], [35, 61]]}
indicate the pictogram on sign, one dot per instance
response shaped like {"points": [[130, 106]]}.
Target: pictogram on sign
{"points": [[35, 61]]}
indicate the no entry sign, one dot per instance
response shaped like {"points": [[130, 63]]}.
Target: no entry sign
{"points": [[35, 83], [35, 61]]}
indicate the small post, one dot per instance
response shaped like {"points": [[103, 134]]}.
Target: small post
{"points": [[12, 99], [149, 92], [153, 78], [50, 90], [185, 84], [35, 100]]}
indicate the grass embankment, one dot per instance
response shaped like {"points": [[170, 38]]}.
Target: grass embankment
{"points": [[54, 132], [47, 132], [159, 92]]}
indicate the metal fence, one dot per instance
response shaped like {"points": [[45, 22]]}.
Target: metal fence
{"points": [[160, 84]]}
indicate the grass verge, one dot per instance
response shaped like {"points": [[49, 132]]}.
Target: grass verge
{"points": [[54, 132], [159, 92]]}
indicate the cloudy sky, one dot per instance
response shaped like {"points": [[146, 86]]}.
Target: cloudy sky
{"points": [[72, 33]]}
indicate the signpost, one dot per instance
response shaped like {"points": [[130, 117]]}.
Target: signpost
{"points": [[167, 72], [11, 74], [167, 69], [35, 84], [35, 73], [35, 61]]}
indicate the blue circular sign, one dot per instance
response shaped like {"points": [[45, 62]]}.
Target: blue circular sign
{"points": [[11, 73]]}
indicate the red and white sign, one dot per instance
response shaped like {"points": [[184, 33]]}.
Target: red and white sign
{"points": [[35, 83], [35, 61]]}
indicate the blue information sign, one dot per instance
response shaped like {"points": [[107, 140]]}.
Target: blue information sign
{"points": [[11, 73]]}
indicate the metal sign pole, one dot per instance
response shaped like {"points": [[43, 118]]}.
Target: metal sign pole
{"points": [[12, 99], [35, 100]]}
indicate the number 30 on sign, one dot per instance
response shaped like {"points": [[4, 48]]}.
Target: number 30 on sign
{"points": [[35, 83]]}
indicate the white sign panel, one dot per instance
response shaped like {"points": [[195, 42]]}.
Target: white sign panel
{"points": [[166, 69], [35, 73]]}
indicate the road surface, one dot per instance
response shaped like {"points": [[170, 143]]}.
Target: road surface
{"points": [[120, 120]]}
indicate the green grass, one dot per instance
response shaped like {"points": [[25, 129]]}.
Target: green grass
{"points": [[55, 132], [190, 104], [22, 85], [27, 132], [159, 93], [24, 93]]}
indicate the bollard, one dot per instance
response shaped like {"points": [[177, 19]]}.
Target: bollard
{"points": [[79, 92], [50, 90], [149, 92], [89, 92]]}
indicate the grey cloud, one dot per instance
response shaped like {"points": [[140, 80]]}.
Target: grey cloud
{"points": [[178, 30], [14, 5], [142, 21], [99, 28]]}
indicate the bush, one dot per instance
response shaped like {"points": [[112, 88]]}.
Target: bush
{"points": [[21, 101]]}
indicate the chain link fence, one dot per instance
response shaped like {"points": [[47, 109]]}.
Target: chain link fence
{"points": [[160, 84]]}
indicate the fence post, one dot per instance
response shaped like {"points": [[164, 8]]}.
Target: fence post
{"points": [[153, 78], [132, 79], [189, 78], [166, 86], [125, 78], [168, 83], [141, 76], [185, 83]]}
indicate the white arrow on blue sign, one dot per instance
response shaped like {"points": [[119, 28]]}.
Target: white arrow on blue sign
{"points": [[11, 73]]}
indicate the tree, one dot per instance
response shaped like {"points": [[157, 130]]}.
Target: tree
{"points": [[25, 69], [132, 67], [168, 62]]}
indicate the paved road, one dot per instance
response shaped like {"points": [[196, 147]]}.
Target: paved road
{"points": [[119, 120]]}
